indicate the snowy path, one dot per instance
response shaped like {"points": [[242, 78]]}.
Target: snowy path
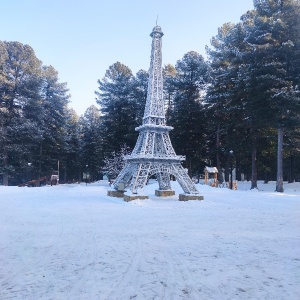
{"points": [[74, 242]]}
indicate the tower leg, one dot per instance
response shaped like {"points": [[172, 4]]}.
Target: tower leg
{"points": [[140, 177], [163, 181], [164, 185], [124, 176], [184, 180]]}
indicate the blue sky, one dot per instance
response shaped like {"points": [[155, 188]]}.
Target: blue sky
{"points": [[82, 38]]}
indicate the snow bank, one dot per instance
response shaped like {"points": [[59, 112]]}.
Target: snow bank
{"points": [[74, 242]]}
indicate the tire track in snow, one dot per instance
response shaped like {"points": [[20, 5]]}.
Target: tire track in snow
{"points": [[155, 272], [10, 285], [84, 271], [188, 287], [54, 264], [129, 277]]}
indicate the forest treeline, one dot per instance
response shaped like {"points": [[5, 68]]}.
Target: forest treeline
{"points": [[243, 99]]}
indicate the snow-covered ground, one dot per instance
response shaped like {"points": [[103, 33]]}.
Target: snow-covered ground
{"points": [[74, 242]]}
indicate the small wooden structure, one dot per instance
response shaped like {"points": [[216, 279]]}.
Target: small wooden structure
{"points": [[54, 179], [234, 185], [214, 181], [35, 182], [211, 170]]}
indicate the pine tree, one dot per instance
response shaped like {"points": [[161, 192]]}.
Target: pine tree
{"points": [[91, 137], [255, 77], [139, 95], [33, 106], [225, 112], [274, 34], [122, 98], [114, 163], [114, 98], [187, 114], [72, 167], [20, 81], [169, 73], [52, 118]]}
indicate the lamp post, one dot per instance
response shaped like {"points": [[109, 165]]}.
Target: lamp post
{"points": [[29, 165], [231, 167], [86, 174]]}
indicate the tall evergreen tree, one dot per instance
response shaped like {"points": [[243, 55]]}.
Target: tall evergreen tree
{"points": [[255, 74], [122, 98], [187, 114], [139, 95], [53, 106], [114, 98], [169, 73], [91, 137], [224, 113], [20, 82], [272, 71], [72, 168], [33, 113]]}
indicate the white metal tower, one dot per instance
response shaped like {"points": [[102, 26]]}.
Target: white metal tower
{"points": [[153, 152]]}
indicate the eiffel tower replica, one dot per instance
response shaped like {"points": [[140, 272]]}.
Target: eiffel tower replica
{"points": [[153, 152]]}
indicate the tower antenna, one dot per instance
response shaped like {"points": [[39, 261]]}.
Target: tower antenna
{"points": [[156, 19]]}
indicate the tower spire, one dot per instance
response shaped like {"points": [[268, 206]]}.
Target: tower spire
{"points": [[153, 153], [154, 110]]}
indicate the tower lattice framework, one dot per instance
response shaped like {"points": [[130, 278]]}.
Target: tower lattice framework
{"points": [[153, 152]]}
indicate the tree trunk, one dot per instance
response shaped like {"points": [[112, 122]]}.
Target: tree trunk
{"points": [[220, 177], [291, 169], [267, 169], [80, 176], [266, 177], [248, 175], [279, 182], [40, 160], [5, 159], [227, 169], [238, 172], [5, 164], [254, 167], [65, 175], [5, 179]]}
